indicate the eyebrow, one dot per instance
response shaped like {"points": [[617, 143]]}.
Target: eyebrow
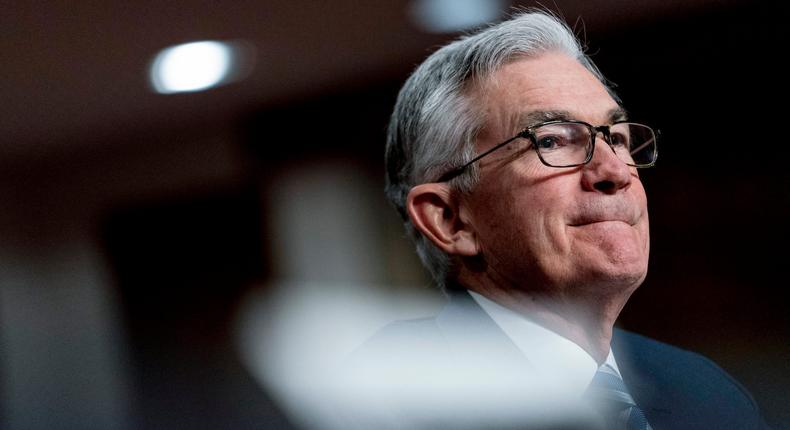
{"points": [[532, 118]]}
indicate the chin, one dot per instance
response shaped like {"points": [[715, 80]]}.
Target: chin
{"points": [[620, 279], [611, 276]]}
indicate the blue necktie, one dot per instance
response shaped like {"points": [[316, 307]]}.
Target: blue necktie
{"points": [[609, 393]]}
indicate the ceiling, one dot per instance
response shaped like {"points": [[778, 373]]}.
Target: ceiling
{"points": [[75, 73]]}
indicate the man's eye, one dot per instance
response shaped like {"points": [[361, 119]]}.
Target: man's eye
{"points": [[550, 142], [620, 139]]}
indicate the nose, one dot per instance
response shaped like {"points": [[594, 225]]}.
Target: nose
{"points": [[605, 173]]}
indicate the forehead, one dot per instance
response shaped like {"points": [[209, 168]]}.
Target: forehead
{"points": [[548, 82]]}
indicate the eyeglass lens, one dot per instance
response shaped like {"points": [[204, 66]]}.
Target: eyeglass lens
{"points": [[567, 144]]}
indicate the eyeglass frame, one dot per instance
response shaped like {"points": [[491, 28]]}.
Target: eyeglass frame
{"points": [[529, 133]]}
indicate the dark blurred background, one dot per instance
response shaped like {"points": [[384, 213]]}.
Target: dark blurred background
{"points": [[137, 227]]}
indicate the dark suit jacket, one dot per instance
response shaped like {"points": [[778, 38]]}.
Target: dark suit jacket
{"points": [[676, 389]]}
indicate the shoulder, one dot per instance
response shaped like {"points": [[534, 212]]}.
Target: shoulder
{"points": [[415, 330], [686, 383], [399, 341], [451, 371], [462, 332], [674, 362]]}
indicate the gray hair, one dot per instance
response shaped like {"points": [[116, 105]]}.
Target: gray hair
{"points": [[435, 122]]}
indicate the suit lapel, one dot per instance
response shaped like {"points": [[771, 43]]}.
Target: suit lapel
{"points": [[638, 373]]}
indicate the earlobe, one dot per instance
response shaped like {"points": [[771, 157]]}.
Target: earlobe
{"points": [[435, 212]]}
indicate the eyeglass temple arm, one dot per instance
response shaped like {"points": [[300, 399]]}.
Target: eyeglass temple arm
{"points": [[638, 148], [458, 170]]}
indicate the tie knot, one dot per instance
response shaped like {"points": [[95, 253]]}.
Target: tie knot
{"points": [[609, 392], [608, 385]]}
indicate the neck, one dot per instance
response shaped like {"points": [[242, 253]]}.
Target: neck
{"points": [[586, 321]]}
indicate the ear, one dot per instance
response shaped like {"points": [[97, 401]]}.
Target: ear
{"points": [[435, 212]]}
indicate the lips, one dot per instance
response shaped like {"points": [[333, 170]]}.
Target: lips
{"points": [[604, 211]]}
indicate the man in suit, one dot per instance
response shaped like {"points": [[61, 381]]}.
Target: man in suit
{"points": [[515, 168]]}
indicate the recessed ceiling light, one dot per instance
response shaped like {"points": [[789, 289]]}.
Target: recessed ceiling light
{"points": [[198, 66], [447, 16]]}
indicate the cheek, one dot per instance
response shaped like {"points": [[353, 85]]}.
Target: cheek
{"points": [[524, 211], [533, 208], [547, 217], [535, 220]]}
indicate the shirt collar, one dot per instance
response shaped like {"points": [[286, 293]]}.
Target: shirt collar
{"points": [[557, 359]]}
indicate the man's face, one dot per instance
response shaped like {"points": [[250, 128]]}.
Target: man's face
{"points": [[558, 229]]}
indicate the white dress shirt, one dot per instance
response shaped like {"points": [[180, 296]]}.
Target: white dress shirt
{"points": [[561, 363]]}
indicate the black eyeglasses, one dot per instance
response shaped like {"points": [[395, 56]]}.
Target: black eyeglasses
{"points": [[572, 143]]}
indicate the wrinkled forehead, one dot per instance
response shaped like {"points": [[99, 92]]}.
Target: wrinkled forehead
{"points": [[548, 86]]}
